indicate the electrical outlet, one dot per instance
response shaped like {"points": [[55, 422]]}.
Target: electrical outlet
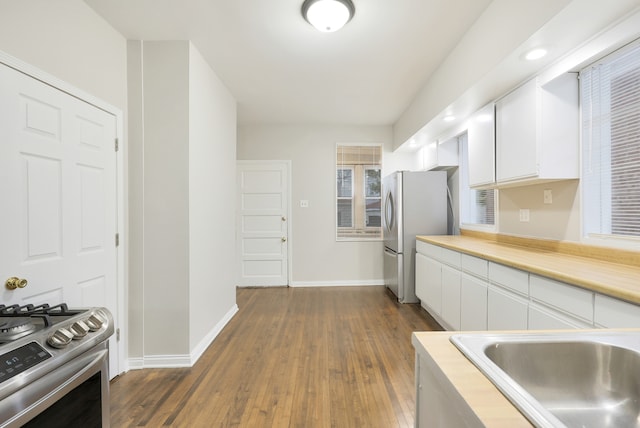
{"points": [[524, 215], [548, 196], [304, 203]]}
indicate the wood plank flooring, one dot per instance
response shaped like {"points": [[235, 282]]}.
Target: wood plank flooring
{"points": [[291, 357]]}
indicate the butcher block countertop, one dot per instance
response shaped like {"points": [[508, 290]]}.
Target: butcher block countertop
{"points": [[608, 271]]}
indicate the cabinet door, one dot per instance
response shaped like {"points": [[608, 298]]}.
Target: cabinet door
{"points": [[429, 283], [421, 276], [516, 133], [505, 310], [481, 150], [451, 297], [473, 303]]}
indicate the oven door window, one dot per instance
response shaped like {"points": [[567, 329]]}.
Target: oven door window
{"points": [[81, 407]]}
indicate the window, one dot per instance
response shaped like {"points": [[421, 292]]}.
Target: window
{"points": [[477, 207], [610, 94], [358, 191]]}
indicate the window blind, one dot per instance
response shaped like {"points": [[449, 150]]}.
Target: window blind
{"points": [[610, 94]]}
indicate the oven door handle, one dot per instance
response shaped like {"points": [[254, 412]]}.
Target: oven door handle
{"points": [[40, 394]]}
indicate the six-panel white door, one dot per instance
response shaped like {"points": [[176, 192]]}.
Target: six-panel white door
{"points": [[262, 210], [58, 190]]}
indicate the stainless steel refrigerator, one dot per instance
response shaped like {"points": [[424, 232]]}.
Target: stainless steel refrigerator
{"points": [[415, 203]]}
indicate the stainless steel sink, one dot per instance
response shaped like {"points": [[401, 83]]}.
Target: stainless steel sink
{"points": [[576, 379]]}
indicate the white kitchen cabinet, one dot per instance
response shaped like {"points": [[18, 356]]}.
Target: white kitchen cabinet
{"points": [[537, 132], [438, 404], [506, 310], [481, 147], [564, 298], [429, 283], [614, 313], [473, 303], [440, 154], [451, 296]]}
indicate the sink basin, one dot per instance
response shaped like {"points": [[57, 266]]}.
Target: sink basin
{"points": [[575, 379]]}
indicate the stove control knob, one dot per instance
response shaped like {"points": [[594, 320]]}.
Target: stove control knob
{"points": [[95, 322], [61, 338], [79, 329]]}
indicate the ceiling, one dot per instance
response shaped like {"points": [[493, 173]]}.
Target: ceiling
{"points": [[283, 71]]}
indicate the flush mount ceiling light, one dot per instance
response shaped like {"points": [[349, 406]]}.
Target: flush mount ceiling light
{"points": [[535, 54], [328, 15]]}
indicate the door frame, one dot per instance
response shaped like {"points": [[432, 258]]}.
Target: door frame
{"points": [[120, 318], [287, 163]]}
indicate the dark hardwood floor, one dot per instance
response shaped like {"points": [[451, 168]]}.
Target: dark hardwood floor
{"points": [[291, 357]]}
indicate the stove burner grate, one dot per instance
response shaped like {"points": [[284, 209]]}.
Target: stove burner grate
{"points": [[45, 312]]}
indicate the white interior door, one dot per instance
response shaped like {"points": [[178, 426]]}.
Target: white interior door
{"points": [[58, 190], [262, 222]]}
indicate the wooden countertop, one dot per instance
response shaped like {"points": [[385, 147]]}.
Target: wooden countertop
{"points": [[585, 266], [485, 400]]}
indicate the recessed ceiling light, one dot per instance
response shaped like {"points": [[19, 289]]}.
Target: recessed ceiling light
{"points": [[328, 15], [534, 54], [449, 118]]}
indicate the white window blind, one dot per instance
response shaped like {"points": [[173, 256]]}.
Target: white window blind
{"points": [[610, 94]]}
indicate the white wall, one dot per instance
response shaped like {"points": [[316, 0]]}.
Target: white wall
{"points": [[212, 171], [317, 257], [166, 197], [67, 39]]}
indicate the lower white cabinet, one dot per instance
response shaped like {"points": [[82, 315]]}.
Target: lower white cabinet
{"points": [[429, 283], [438, 404], [505, 310], [473, 303], [465, 292], [451, 297]]}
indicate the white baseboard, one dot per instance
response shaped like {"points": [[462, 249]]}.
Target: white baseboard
{"points": [[197, 352], [372, 282], [186, 360]]}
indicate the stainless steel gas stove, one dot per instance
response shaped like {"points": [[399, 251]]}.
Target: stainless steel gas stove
{"points": [[54, 366]]}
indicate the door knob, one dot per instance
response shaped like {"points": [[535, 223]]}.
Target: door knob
{"points": [[14, 282], [284, 239], [284, 218]]}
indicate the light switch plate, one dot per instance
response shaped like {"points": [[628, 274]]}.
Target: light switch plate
{"points": [[548, 196]]}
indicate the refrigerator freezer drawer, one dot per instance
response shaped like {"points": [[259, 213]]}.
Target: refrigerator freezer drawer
{"points": [[393, 273]]}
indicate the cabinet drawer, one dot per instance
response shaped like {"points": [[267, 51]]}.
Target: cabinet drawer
{"points": [[566, 298], [474, 265], [614, 313], [510, 278], [428, 250], [450, 257]]}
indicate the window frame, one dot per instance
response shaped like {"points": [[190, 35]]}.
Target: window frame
{"points": [[358, 232], [465, 207]]}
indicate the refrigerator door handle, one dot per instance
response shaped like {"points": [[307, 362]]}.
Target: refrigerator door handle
{"points": [[389, 210]]}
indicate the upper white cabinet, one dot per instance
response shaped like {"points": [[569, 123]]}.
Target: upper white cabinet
{"points": [[440, 154], [537, 132], [481, 147]]}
